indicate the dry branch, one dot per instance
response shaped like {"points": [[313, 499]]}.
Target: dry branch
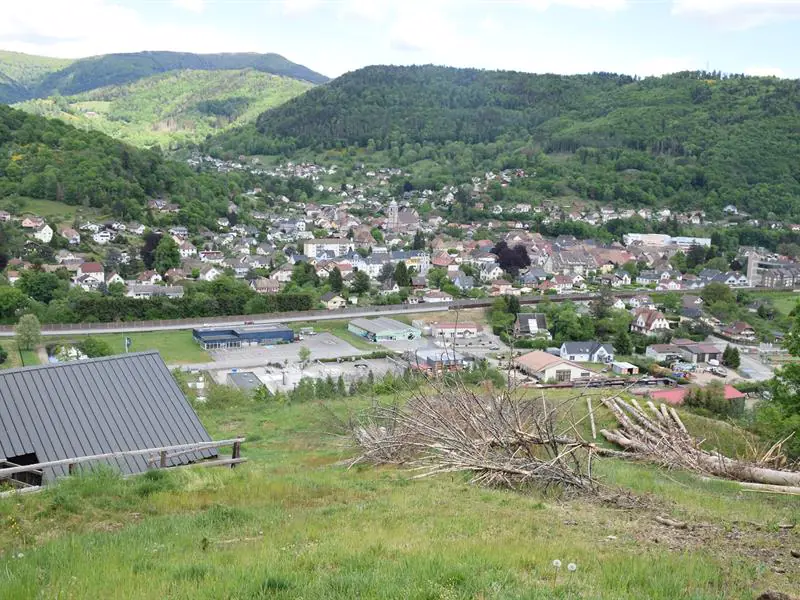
{"points": [[664, 439], [497, 439]]}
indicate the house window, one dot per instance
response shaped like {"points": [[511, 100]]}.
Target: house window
{"points": [[564, 375], [572, 357]]}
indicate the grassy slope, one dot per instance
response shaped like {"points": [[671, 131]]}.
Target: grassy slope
{"points": [[292, 523], [28, 69], [163, 108]]}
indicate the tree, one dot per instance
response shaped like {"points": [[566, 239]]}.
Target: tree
{"points": [[167, 255], [94, 347], [360, 283], [377, 234], [304, 354], [28, 332], [622, 343], [401, 274], [419, 241], [696, 256], [436, 276], [716, 292], [335, 280], [148, 251], [304, 273], [3, 355], [671, 302], [600, 308], [386, 273], [730, 357], [40, 285], [12, 299]]}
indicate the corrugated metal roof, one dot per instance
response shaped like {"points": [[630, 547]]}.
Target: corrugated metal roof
{"points": [[82, 408]]}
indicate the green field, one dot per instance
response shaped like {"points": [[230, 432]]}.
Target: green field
{"points": [[176, 347], [783, 301], [295, 523], [57, 212]]}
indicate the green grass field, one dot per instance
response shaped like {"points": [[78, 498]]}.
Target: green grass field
{"points": [[295, 523], [56, 212], [176, 347]]}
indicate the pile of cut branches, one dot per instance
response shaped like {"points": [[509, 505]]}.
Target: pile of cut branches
{"points": [[659, 436], [498, 439]]}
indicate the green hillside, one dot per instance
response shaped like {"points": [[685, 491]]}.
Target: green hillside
{"points": [[684, 140], [19, 72], [173, 107], [50, 160], [23, 77]]}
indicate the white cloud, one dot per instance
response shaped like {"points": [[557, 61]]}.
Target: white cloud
{"points": [[196, 6], [423, 25], [300, 7], [371, 10], [608, 5], [89, 27], [738, 14]]}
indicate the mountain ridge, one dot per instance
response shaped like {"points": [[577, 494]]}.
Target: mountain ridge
{"points": [[687, 140], [84, 74]]}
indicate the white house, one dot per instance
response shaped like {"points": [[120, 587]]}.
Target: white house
{"points": [[102, 237], [587, 352], [649, 322], [187, 249], [210, 273], [43, 233]]}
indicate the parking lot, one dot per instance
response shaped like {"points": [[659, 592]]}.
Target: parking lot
{"points": [[284, 379], [322, 345]]}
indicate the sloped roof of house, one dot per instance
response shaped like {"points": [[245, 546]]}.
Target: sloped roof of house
{"points": [[676, 396], [87, 407], [588, 347]]}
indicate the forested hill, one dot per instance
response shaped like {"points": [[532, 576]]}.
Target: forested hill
{"points": [[171, 109], [74, 77], [683, 140], [48, 159]]}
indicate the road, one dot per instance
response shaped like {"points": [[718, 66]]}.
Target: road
{"points": [[313, 315], [121, 327], [757, 370]]}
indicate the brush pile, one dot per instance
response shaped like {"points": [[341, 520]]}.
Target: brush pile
{"points": [[500, 441], [659, 436]]}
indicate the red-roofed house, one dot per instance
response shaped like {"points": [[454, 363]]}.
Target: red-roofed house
{"points": [[95, 269], [676, 396]]}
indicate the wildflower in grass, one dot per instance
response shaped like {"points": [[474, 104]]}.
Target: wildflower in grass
{"points": [[571, 567], [556, 567]]}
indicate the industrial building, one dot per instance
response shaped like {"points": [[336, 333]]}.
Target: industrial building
{"points": [[436, 360], [212, 338], [244, 380], [383, 329]]}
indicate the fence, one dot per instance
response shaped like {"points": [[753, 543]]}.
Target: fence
{"points": [[158, 459]]}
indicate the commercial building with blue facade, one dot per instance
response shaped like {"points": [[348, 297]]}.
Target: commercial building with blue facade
{"points": [[211, 338]]}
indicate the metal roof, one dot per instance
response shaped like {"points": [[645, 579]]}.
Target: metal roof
{"points": [[87, 407]]}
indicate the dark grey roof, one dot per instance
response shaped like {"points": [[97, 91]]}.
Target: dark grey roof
{"points": [[87, 407], [590, 347], [525, 322], [245, 380]]}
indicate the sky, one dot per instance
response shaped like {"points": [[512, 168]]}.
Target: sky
{"points": [[636, 37]]}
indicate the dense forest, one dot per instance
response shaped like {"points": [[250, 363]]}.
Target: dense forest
{"points": [[688, 140], [23, 77], [172, 109]]}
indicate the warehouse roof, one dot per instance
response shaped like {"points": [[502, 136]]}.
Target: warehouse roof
{"points": [[380, 325], [88, 407]]}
